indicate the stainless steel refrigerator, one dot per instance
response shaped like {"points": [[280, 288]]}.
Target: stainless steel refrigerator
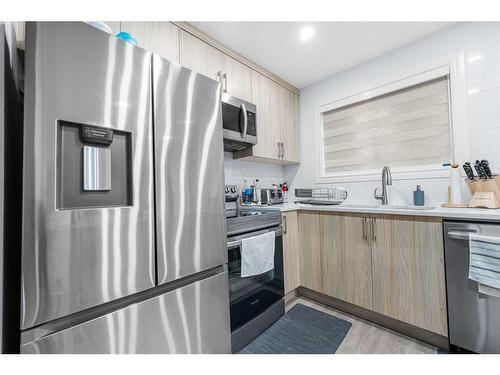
{"points": [[123, 223]]}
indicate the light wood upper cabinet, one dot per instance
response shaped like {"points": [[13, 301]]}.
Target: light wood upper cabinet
{"points": [[277, 123], [161, 38], [408, 270], [238, 78], [291, 253], [310, 250], [200, 56], [290, 128], [263, 96]]}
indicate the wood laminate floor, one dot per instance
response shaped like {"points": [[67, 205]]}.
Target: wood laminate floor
{"points": [[369, 338]]}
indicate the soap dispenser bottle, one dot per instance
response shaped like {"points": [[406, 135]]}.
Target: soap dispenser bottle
{"points": [[418, 197]]}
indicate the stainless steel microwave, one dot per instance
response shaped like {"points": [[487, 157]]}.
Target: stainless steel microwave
{"points": [[239, 120]]}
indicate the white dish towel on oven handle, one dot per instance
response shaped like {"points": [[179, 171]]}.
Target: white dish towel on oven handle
{"points": [[257, 254]]}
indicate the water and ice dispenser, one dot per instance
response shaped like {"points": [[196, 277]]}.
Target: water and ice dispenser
{"points": [[94, 166]]}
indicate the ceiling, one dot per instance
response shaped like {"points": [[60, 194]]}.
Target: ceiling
{"points": [[335, 46]]}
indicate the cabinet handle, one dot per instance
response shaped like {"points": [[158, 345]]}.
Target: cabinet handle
{"points": [[365, 236], [374, 236], [218, 77], [224, 78], [282, 150], [279, 150], [284, 224]]}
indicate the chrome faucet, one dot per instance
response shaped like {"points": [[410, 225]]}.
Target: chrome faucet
{"points": [[386, 180]]}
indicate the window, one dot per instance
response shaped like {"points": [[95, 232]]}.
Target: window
{"points": [[405, 129]]}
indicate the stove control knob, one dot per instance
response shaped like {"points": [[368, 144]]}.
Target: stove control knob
{"points": [[226, 190], [233, 190]]}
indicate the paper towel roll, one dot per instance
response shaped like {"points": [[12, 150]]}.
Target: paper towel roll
{"points": [[456, 184]]}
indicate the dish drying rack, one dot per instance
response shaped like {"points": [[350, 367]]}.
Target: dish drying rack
{"points": [[322, 197]]}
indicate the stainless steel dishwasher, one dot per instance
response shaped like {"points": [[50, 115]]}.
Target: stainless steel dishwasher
{"points": [[474, 318]]}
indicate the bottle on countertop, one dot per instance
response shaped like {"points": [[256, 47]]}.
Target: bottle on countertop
{"points": [[418, 197], [257, 196], [244, 192], [455, 185], [284, 192]]}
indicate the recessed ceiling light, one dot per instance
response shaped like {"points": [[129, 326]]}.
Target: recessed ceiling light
{"points": [[306, 33]]}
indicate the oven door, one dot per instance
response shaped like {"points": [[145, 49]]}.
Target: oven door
{"points": [[239, 122], [250, 296]]}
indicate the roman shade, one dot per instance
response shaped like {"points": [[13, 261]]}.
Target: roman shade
{"points": [[405, 128]]}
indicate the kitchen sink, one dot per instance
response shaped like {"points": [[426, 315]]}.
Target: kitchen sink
{"points": [[389, 207]]}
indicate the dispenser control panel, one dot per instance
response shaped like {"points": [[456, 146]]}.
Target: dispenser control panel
{"points": [[94, 134]]}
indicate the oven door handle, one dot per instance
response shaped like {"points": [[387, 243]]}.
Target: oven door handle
{"points": [[237, 243], [243, 109], [460, 235]]}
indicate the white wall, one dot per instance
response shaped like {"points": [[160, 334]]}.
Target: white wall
{"points": [[483, 104], [236, 171]]}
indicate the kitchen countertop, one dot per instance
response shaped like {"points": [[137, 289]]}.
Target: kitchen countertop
{"points": [[447, 213]]}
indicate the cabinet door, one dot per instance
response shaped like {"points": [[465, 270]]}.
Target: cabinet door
{"points": [[264, 94], [393, 260], [310, 250], [200, 56], [291, 251], [429, 276], [290, 128], [161, 38], [332, 255], [408, 271], [357, 261], [238, 80]]}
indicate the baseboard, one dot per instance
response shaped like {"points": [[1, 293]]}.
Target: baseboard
{"points": [[290, 297], [391, 323]]}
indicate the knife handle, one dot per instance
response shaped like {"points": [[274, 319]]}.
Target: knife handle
{"points": [[480, 170], [486, 167], [468, 171]]}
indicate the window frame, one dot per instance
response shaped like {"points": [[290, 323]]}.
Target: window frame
{"points": [[452, 66]]}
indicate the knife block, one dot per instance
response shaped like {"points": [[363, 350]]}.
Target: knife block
{"points": [[485, 193]]}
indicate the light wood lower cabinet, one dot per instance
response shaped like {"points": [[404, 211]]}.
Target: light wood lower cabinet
{"points": [[408, 270], [310, 250], [291, 253], [346, 258], [357, 261], [391, 264], [333, 276]]}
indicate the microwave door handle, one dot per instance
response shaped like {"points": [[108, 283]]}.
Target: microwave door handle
{"points": [[243, 108]]}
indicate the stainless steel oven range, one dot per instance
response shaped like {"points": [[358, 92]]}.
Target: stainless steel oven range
{"points": [[257, 301]]}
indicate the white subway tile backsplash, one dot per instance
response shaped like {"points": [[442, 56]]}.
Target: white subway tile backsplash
{"points": [[237, 171]]}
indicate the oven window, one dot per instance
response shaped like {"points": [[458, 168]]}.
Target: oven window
{"points": [[250, 296]]}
